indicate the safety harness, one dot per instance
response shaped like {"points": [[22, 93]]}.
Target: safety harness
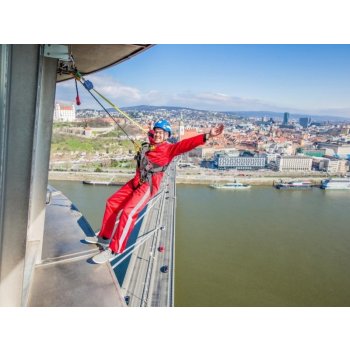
{"points": [[147, 168]]}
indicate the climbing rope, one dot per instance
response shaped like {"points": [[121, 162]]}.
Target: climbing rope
{"points": [[136, 144], [88, 85], [120, 111], [69, 67]]}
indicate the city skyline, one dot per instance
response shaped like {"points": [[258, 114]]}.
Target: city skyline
{"points": [[305, 79]]}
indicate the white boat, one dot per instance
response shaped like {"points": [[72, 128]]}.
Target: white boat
{"points": [[336, 184], [103, 183], [231, 186], [298, 185]]}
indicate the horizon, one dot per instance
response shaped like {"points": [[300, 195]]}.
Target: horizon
{"points": [[295, 115], [299, 79]]}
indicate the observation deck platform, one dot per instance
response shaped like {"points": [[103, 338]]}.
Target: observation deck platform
{"points": [[66, 276]]}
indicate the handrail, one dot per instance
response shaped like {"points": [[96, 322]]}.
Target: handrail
{"points": [[139, 218], [136, 245], [148, 208], [157, 196]]}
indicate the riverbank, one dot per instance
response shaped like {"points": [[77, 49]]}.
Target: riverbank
{"points": [[200, 177]]}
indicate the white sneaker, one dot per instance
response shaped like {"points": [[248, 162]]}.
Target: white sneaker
{"points": [[103, 256], [96, 240]]}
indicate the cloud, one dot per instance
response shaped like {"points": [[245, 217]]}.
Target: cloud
{"points": [[119, 94], [125, 95], [113, 89], [221, 101]]}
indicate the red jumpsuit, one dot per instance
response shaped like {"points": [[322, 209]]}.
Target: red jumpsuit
{"points": [[133, 197]]}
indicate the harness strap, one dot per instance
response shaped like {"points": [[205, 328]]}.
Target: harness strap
{"points": [[147, 168]]}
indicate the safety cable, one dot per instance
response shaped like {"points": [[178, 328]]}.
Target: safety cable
{"points": [[137, 146], [69, 67], [120, 111], [89, 86]]}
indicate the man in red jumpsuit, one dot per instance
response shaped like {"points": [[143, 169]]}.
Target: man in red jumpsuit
{"points": [[130, 199]]}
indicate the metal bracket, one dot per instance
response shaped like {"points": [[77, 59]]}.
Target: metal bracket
{"points": [[57, 51]]}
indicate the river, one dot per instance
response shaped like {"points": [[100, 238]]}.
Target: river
{"points": [[256, 247]]}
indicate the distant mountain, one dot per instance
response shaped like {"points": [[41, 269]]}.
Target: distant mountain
{"points": [[243, 114], [154, 108]]}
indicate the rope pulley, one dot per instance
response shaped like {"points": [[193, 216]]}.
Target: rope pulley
{"points": [[88, 85]]}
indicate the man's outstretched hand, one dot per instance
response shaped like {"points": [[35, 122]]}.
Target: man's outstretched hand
{"points": [[216, 130]]}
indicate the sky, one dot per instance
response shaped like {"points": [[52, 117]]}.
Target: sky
{"points": [[307, 79]]}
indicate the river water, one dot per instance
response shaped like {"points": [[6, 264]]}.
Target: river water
{"points": [[256, 247]]}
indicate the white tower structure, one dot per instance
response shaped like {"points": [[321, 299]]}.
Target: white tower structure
{"points": [[181, 128]]}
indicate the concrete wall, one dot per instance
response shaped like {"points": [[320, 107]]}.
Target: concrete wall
{"points": [[27, 88]]}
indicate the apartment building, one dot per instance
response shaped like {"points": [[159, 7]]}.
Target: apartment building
{"points": [[226, 161], [294, 163], [334, 166]]}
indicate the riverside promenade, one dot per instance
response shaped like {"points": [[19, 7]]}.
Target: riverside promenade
{"points": [[200, 176]]}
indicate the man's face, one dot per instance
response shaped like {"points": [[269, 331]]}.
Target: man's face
{"points": [[160, 135]]}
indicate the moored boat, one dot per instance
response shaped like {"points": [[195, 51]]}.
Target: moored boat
{"points": [[294, 185], [102, 183], [231, 186], [336, 184]]}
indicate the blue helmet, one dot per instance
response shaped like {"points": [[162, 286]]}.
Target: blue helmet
{"points": [[164, 125]]}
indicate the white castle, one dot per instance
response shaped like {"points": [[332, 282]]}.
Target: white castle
{"points": [[64, 113]]}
